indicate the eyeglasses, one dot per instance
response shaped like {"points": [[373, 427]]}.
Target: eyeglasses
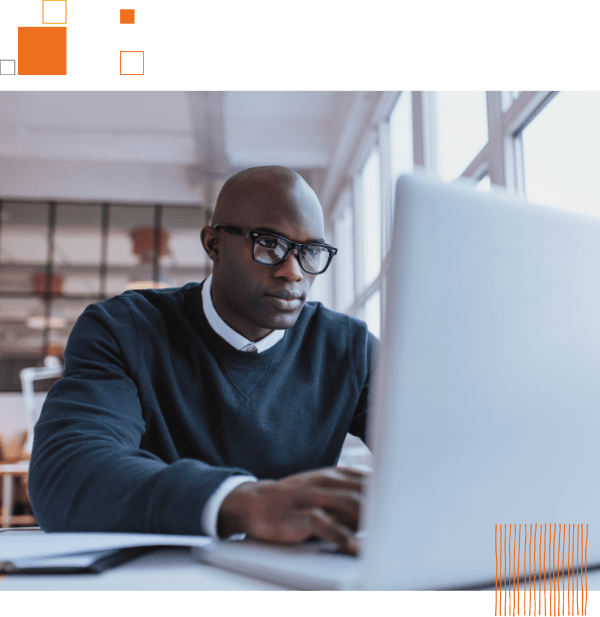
{"points": [[270, 249]]}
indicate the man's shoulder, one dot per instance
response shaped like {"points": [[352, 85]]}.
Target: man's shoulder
{"points": [[316, 315], [133, 305]]}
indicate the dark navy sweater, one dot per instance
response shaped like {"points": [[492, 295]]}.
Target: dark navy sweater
{"points": [[155, 410]]}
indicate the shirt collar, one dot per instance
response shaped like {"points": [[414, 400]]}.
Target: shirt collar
{"points": [[235, 339]]}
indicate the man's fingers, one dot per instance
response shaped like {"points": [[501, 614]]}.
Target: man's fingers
{"points": [[352, 522], [352, 472], [343, 501], [341, 477], [325, 527]]}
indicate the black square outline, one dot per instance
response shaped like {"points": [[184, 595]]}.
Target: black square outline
{"points": [[13, 60]]}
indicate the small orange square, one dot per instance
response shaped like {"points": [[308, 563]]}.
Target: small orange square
{"points": [[127, 16]]}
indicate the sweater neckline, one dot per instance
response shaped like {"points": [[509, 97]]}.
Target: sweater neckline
{"points": [[223, 348]]}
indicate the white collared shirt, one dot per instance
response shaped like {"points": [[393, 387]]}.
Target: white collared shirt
{"points": [[210, 513], [235, 339]]}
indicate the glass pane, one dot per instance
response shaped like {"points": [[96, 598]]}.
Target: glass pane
{"points": [[10, 381], [24, 245], [371, 217], [561, 154], [17, 277], [15, 336], [401, 138], [462, 130], [372, 312], [186, 260], [343, 261], [24, 342], [120, 256], [24, 234], [77, 248], [68, 309]]}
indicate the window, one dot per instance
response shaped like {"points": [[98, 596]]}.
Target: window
{"points": [[371, 217], [24, 236], [401, 146], [561, 156], [462, 130], [446, 134], [372, 313], [344, 260], [78, 247]]}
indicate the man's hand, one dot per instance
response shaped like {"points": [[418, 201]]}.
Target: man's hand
{"points": [[324, 503]]}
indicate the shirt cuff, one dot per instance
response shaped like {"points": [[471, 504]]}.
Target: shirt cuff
{"points": [[210, 513]]}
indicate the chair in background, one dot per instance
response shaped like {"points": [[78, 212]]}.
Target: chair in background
{"points": [[18, 466]]}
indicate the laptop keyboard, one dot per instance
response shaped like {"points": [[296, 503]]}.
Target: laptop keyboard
{"points": [[359, 538]]}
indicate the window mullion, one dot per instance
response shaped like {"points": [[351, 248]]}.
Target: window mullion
{"points": [[501, 170], [358, 222]]}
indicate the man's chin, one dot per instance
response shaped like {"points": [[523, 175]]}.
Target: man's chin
{"points": [[283, 320]]}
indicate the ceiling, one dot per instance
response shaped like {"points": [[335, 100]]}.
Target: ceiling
{"points": [[134, 148], [296, 129]]}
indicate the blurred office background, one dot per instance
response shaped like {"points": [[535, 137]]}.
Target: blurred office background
{"points": [[100, 191]]}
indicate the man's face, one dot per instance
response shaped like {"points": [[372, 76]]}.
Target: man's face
{"points": [[254, 298]]}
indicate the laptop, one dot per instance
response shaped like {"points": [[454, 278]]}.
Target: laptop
{"points": [[487, 407]]}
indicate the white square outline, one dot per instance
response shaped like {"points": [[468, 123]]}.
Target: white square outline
{"points": [[14, 63], [121, 61], [53, 9]]}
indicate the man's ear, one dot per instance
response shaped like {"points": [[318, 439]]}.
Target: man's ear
{"points": [[210, 242]]}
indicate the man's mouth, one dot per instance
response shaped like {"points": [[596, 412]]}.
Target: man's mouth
{"points": [[286, 302]]}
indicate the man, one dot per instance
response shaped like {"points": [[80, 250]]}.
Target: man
{"points": [[218, 408]]}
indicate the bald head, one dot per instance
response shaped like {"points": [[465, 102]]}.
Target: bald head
{"points": [[252, 186]]}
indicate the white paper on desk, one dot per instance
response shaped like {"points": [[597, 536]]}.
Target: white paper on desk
{"points": [[22, 544]]}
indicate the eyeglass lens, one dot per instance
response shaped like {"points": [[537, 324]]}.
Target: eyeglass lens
{"points": [[271, 250]]}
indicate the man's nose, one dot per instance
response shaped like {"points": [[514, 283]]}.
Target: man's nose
{"points": [[290, 268]]}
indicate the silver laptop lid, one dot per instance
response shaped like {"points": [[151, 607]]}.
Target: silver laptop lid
{"points": [[488, 398]]}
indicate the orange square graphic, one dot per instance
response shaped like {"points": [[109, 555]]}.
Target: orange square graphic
{"points": [[42, 51], [127, 16], [54, 22]]}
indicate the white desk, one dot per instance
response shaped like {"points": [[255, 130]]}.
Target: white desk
{"points": [[170, 569], [593, 583], [162, 570]]}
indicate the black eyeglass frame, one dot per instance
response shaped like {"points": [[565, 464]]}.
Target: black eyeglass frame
{"points": [[254, 235]]}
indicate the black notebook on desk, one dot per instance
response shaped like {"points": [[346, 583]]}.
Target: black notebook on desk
{"points": [[82, 562], [92, 562]]}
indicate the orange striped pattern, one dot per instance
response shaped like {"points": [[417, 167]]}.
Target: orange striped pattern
{"points": [[510, 582]]}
